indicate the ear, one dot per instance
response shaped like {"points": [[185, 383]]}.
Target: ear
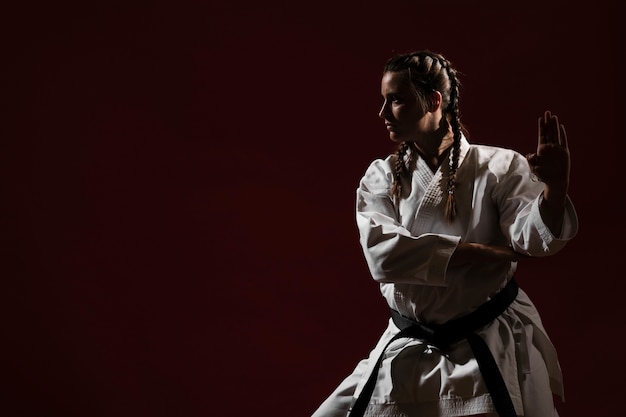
{"points": [[435, 101]]}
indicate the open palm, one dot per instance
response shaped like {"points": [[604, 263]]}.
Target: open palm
{"points": [[551, 162]]}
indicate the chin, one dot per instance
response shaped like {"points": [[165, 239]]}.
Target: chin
{"points": [[396, 138]]}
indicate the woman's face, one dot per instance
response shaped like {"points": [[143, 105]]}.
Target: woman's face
{"points": [[404, 116]]}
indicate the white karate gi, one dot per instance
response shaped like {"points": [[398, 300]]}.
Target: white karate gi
{"points": [[407, 248]]}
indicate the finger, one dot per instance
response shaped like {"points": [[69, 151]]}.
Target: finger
{"points": [[563, 137], [546, 116], [552, 131], [541, 130]]}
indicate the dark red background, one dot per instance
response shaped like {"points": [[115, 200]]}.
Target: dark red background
{"points": [[178, 182]]}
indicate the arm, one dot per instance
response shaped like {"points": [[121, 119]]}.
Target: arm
{"points": [[529, 223], [392, 253], [478, 253], [551, 165]]}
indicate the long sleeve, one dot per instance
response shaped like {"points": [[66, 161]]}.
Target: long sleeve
{"points": [[410, 242], [518, 198], [392, 253]]}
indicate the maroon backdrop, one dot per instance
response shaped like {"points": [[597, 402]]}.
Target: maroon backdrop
{"points": [[178, 183]]}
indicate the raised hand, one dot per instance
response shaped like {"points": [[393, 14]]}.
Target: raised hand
{"points": [[551, 165], [551, 162]]}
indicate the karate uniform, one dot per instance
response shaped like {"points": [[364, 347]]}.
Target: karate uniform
{"points": [[407, 247]]}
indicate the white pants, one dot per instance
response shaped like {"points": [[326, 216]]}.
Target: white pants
{"points": [[538, 399]]}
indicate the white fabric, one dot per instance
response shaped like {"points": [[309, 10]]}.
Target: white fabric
{"points": [[407, 248]]}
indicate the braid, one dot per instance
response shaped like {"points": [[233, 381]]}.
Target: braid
{"points": [[400, 170], [429, 72], [455, 123]]}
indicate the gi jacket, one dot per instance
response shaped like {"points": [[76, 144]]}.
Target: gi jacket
{"points": [[408, 246]]}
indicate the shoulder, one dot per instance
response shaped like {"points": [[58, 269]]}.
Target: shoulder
{"points": [[495, 157], [491, 151], [378, 176]]}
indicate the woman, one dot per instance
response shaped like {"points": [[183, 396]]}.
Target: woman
{"points": [[442, 224]]}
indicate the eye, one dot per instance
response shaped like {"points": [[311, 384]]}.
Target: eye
{"points": [[392, 99]]}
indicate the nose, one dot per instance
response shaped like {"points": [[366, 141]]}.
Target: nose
{"points": [[383, 110]]}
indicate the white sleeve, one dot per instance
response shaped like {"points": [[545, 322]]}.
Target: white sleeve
{"points": [[519, 200], [391, 252]]}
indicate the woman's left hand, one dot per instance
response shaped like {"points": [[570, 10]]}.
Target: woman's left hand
{"points": [[551, 162], [551, 165]]}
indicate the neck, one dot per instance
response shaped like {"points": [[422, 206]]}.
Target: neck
{"points": [[435, 152]]}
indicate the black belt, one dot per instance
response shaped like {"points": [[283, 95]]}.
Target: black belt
{"points": [[443, 335]]}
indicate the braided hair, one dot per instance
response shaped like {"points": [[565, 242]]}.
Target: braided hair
{"points": [[429, 72]]}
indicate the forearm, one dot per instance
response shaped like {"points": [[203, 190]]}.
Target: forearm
{"points": [[552, 208], [407, 259], [478, 253]]}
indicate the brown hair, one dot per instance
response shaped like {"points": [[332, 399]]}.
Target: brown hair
{"points": [[428, 72]]}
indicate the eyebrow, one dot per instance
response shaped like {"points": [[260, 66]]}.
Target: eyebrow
{"points": [[391, 93]]}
